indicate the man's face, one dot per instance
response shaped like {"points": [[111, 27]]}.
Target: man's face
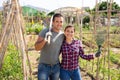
{"points": [[58, 23]]}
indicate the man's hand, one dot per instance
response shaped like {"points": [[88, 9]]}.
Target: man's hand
{"points": [[48, 34]]}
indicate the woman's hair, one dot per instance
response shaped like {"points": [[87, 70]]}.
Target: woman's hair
{"points": [[57, 15], [69, 26]]}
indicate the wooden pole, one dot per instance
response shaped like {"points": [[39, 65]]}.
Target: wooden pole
{"points": [[14, 25], [109, 7]]}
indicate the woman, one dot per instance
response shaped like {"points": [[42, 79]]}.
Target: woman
{"points": [[71, 50]]}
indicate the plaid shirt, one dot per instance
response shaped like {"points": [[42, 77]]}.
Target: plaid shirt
{"points": [[71, 53]]}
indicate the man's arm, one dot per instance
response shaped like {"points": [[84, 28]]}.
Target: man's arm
{"points": [[39, 44]]}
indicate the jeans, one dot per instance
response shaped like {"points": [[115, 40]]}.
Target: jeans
{"points": [[48, 72], [70, 74]]}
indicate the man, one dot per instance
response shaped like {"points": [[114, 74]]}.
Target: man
{"points": [[49, 68]]}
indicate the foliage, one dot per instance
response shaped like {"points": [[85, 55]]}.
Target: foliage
{"points": [[35, 28], [41, 14], [103, 66], [103, 6], [115, 30], [86, 19], [29, 11], [115, 58], [11, 69], [51, 13], [86, 26], [114, 36]]}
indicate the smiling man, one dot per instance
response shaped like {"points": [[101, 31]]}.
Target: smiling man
{"points": [[49, 67]]}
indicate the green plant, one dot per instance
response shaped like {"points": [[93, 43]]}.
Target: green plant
{"points": [[115, 30], [115, 58], [38, 28], [35, 28], [11, 69]]}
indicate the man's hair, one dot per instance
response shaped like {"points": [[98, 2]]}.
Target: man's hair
{"points": [[56, 15]]}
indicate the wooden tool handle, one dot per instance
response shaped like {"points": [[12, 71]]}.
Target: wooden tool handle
{"points": [[49, 37]]}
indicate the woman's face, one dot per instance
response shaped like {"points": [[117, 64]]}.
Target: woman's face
{"points": [[69, 33]]}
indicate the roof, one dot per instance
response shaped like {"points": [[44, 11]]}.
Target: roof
{"points": [[72, 11]]}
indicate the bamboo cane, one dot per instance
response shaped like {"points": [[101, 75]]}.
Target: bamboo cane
{"points": [[14, 24], [23, 41], [22, 48], [109, 7], [4, 45], [5, 37]]}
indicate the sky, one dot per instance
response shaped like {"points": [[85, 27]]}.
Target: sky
{"points": [[55, 4]]}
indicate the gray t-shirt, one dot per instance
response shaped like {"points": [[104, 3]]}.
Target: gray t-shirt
{"points": [[50, 52]]}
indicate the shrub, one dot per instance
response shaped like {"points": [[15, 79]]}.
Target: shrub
{"points": [[35, 28], [11, 69]]}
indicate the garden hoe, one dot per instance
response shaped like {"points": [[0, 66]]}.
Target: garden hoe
{"points": [[50, 34]]}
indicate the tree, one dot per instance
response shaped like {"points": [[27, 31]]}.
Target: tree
{"points": [[103, 6]]}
